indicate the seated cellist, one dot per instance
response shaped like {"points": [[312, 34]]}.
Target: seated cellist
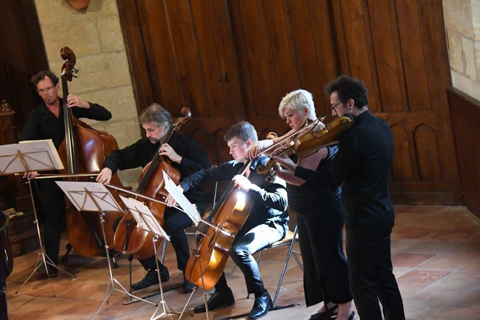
{"points": [[267, 222], [184, 153]]}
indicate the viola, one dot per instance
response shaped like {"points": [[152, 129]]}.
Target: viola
{"points": [[284, 146], [128, 237], [207, 263], [84, 150], [309, 143]]}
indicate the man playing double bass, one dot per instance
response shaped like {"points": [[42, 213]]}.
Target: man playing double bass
{"points": [[266, 224], [188, 157], [46, 122]]}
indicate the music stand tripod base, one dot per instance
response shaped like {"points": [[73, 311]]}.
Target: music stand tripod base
{"points": [[43, 258]]}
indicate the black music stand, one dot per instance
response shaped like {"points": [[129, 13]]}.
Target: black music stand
{"points": [[94, 197], [193, 214], [146, 221], [38, 155]]}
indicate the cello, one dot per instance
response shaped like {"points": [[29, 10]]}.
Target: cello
{"points": [[208, 261], [128, 237], [84, 149]]}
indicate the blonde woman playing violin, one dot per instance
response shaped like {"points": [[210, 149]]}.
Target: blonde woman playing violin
{"points": [[319, 216]]}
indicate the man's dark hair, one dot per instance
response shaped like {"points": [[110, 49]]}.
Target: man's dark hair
{"points": [[42, 75], [243, 131], [349, 88]]}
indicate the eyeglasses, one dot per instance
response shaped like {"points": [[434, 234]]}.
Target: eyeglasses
{"points": [[42, 91], [334, 106]]}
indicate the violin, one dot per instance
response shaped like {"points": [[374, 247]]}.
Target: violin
{"points": [[208, 261], [84, 149], [128, 237], [309, 143], [285, 146]]}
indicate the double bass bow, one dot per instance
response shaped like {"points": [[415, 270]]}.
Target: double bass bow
{"points": [[128, 237], [84, 150]]}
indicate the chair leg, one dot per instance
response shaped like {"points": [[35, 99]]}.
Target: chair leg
{"points": [[282, 275]]}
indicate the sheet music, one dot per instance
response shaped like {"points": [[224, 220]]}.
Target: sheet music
{"points": [[182, 201], [39, 155], [43, 145], [144, 217], [82, 200]]}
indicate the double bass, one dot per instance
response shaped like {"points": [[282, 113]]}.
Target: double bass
{"points": [[128, 237], [84, 150]]}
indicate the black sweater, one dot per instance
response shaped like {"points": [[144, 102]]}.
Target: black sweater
{"points": [[141, 153]]}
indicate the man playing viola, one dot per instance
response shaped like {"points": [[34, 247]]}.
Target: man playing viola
{"points": [[266, 224], [188, 157]]}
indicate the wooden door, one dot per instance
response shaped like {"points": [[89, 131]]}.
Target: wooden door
{"points": [[234, 60]]}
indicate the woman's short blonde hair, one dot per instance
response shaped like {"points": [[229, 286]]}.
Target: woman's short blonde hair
{"points": [[297, 100]]}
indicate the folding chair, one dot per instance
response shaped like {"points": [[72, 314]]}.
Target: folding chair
{"points": [[289, 241]]}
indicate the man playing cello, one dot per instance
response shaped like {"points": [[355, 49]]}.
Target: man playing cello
{"points": [[266, 224]]}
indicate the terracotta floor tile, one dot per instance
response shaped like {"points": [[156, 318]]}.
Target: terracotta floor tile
{"points": [[446, 262], [420, 309], [473, 266], [464, 249], [459, 279], [409, 260], [474, 238], [417, 209], [412, 233], [454, 234], [441, 294], [400, 245], [423, 276], [457, 312], [429, 247]]}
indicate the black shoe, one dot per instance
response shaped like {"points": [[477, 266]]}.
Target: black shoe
{"points": [[151, 278], [261, 306], [52, 271], [217, 300], [187, 286], [325, 315]]}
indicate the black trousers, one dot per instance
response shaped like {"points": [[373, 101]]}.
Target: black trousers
{"points": [[325, 276], [175, 223], [371, 276], [52, 201], [243, 248]]}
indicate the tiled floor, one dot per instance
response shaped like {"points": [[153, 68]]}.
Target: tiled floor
{"points": [[435, 249]]}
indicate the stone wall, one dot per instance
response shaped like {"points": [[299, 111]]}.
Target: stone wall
{"points": [[462, 22], [96, 38]]}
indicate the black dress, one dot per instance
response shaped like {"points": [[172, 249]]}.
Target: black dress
{"points": [[320, 220]]}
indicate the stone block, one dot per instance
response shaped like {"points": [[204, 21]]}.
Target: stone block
{"points": [[59, 11], [99, 71], [129, 177], [476, 47], [125, 132], [458, 16], [110, 32], [465, 84], [81, 36], [476, 19], [469, 54], [455, 51], [119, 101]]}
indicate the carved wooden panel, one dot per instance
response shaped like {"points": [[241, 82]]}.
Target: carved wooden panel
{"points": [[232, 60]]}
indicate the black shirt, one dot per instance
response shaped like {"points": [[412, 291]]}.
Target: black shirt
{"points": [[141, 153], [43, 124], [269, 198], [363, 165]]}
